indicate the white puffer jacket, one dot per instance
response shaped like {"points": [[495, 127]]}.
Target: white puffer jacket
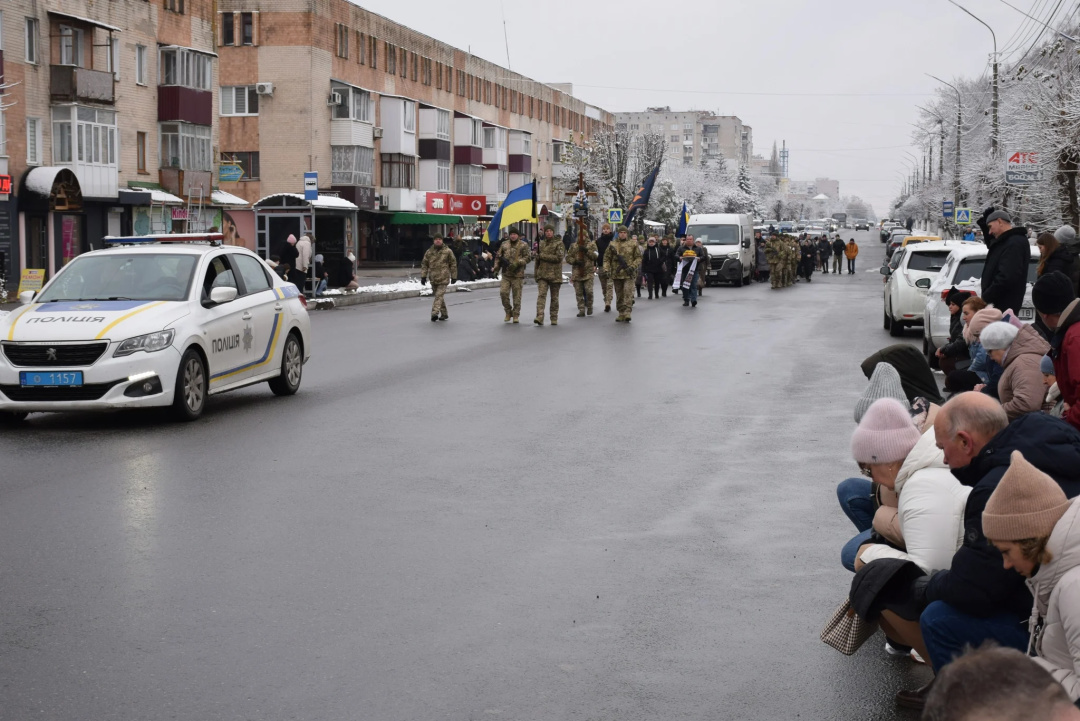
{"points": [[930, 509], [1056, 589]]}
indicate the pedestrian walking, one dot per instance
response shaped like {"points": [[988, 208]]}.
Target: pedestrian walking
{"points": [[653, 265], [774, 254], [703, 266], [602, 244], [761, 263], [511, 258], [687, 272], [622, 262], [792, 265], [1004, 277], [851, 252], [824, 248], [548, 273], [440, 267], [838, 249], [808, 256], [668, 251], [582, 256]]}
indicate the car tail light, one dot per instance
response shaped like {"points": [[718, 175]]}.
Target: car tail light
{"points": [[945, 293], [303, 300]]}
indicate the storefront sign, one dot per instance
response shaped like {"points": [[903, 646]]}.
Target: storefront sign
{"points": [[365, 199], [179, 213], [450, 204], [5, 184], [1021, 168], [31, 279], [230, 173]]}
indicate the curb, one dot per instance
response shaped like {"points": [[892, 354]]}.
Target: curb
{"points": [[341, 301]]}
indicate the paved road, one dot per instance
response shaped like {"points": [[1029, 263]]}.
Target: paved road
{"points": [[463, 520]]}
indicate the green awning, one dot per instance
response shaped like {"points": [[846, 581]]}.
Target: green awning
{"points": [[423, 219]]}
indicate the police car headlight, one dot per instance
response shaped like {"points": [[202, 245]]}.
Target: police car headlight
{"points": [[149, 343]]}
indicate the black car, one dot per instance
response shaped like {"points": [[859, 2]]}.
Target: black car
{"points": [[862, 226]]}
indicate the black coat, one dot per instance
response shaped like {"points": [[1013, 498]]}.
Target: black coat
{"points": [[957, 346], [915, 375], [838, 247], [824, 249], [652, 260], [1004, 277], [288, 254], [1063, 260], [977, 583], [601, 245]]}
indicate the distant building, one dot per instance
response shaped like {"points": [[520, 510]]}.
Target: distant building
{"points": [[694, 137]]}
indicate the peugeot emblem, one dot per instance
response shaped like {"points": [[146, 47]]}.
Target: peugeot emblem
{"points": [[50, 354]]}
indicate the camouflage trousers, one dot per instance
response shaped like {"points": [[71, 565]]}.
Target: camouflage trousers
{"points": [[505, 287], [541, 298], [624, 296], [605, 286], [438, 305], [774, 275], [583, 289]]}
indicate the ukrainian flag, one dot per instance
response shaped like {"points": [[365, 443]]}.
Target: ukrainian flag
{"points": [[520, 204], [684, 220]]}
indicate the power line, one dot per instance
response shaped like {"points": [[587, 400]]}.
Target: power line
{"points": [[778, 95]]}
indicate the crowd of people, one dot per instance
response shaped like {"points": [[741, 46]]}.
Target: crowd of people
{"points": [[967, 527], [784, 259]]}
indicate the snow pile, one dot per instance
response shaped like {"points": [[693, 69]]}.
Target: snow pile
{"points": [[410, 284]]}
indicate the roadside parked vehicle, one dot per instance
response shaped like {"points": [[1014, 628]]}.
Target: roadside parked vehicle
{"points": [[904, 295]]}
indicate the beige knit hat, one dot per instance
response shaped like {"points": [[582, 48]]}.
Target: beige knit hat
{"points": [[1026, 503]]}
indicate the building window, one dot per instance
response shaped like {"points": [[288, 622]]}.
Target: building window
{"points": [[477, 133], [228, 29], [33, 141], [489, 138], [31, 40], [397, 170], [355, 103], [185, 146], [248, 161], [187, 68], [404, 62], [415, 67], [247, 28], [352, 165], [444, 176], [342, 40], [425, 71], [373, 51], [556, 152], [140, 64], [410, 117], [438, 76], [239, 100], [360, 49], [391, 59], [140, 152], [469, 179], [461, 83], [502, 181], [71, 46], [94, 135], [442, 124], [526, 144], [176, 6]]}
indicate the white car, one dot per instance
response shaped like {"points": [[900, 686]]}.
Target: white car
{"points": [[152, 323], [963, 268], [904, 301]]}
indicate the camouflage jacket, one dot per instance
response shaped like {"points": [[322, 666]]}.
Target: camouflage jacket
{"points": [[439, 265], [516, 255], [629, 251], [774, 250], [549, 260], [582, 260]]}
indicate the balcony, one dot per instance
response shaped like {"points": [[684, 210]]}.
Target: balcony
{"points": [[176, 102], [184, 182], [71, 84]]}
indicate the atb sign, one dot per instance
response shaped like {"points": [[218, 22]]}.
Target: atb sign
{"points": [[963, 216], [614, 216], [1021, 168], [947, 209]]}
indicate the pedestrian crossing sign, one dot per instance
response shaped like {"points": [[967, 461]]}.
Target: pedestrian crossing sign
{"points": [[614, 215], [963, 216]]}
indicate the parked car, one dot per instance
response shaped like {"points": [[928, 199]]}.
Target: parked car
{"points": [[963, 268], [904, 296], [896, 238]]}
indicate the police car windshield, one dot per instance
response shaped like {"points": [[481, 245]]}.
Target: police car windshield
{"points": [[123, 277], [715, 234]]}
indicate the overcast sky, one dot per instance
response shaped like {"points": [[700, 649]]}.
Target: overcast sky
{"points": [[838, 79]]}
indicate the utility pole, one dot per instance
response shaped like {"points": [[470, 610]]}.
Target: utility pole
{"points": [[931, 176], [959, 122], [994, 102]]}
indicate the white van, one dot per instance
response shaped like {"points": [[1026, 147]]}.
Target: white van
{"points": [[729, 238]]}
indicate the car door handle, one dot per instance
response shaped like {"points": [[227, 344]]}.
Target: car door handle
{"points": [[246, 316], [277, 306]]}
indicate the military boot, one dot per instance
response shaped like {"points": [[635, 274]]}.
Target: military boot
{"points": [[507, 318]]}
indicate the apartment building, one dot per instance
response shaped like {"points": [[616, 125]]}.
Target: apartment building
{"points": [[107, 125], [413, 132], [694, 137]]}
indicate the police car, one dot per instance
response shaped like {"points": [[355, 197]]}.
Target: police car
{"points": [[152, 321]]}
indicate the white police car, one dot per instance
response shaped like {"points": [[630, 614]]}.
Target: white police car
{"points": [[152, 321]]}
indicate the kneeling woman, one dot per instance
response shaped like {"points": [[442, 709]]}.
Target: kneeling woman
{"points": [[930, 505]]}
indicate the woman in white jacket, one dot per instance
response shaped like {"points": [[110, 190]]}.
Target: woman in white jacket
{"points": [[931, 501], [1037, 529]]}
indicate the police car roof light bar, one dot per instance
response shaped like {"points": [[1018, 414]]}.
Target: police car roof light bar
{"points": [[210, 238]]}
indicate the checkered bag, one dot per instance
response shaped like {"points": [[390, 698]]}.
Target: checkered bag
{"points": [[845, 631]]}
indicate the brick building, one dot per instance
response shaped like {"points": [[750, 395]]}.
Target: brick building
{"points": [[403, 126], [101, 99]]}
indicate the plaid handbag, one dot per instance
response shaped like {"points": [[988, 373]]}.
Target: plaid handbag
{"points": [[846, 631]]}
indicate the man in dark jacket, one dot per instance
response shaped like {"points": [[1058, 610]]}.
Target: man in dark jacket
{"points": [[824, 248], [1004, 277], [653, 265], [838, 248], [807, 258], [606, 236], [977, 598]]}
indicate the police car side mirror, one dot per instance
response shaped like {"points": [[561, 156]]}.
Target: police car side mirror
{"points": [[885, 270], [222, 294], [923, 283], [27, 297]]}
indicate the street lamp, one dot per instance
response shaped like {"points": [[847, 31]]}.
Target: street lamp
{"points": [[959, 121], [994, 103]]}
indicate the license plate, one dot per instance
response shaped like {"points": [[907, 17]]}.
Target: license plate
{"points": [[51, 379], [1027, 314]]}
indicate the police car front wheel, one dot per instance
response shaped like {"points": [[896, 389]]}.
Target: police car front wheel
{"points": [[191, 386], [292, 368]]}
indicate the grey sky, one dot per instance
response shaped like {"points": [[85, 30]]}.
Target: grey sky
{"points": [[689, 54]]}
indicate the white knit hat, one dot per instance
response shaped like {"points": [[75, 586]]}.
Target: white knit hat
{"points": [[998, 336]]}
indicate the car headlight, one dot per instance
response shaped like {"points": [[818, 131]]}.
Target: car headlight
{"points": [[733, 256], [150, 343]]}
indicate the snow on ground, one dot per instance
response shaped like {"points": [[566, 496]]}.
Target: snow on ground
{"points": [[410, 284]]}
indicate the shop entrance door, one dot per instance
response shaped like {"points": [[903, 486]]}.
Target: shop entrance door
{"points": [[37, 243]]}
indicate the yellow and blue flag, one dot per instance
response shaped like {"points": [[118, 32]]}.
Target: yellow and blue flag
{"points": [[641, 197], [684, 220], [520, 204]]}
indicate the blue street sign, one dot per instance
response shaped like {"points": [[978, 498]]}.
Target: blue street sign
{"points": [[311, 186], [230, 173], [963, 216], [614, 215], [947, 208]]}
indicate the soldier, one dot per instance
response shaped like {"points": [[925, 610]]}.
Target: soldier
{"points": [[622, 262], [548, 272], [512, 257], [582, 256], [439, 266], [774, 250], [605, 280]]}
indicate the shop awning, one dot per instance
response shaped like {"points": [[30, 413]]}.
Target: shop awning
{"points": [[423, 219], [88, 21]]}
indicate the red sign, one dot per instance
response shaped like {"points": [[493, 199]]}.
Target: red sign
{"points": [[5, 184], [450, 204]]}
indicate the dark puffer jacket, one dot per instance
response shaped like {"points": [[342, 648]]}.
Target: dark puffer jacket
{"points": [[1004, 277]]}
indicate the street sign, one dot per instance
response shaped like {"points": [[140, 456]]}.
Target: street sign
{"points": [[230, 173], [614, 215], [31, 279], [1022, 168], [311, 186], [947, 208], [963, 216]]}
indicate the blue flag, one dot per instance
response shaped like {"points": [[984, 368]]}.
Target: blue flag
{"points": [[684, 219], [641, 197]]}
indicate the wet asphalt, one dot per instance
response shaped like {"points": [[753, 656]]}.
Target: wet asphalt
{"points": [[464, 520]]}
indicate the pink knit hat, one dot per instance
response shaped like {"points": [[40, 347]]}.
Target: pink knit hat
{"points": [[980, 320], [885, 434]]}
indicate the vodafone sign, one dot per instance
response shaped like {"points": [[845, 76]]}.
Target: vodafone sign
{"points": [[1021, 168], [450, 204]]}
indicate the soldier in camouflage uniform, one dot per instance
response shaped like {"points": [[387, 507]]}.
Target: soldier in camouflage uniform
{"points": [[548, 273], [582, 257], [792, 265], [622, 262], [511, 258], [440, 267], [774, 249]]}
